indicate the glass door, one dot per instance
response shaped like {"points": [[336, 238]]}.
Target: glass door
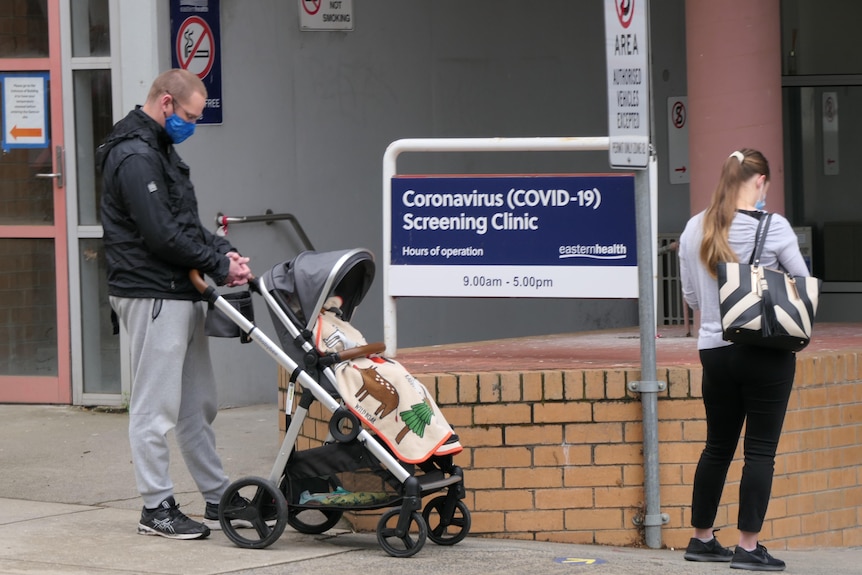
{"points": [[96, 355], [34, 285]]}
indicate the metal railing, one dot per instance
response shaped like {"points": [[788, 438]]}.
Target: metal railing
{"points": [[222, 221], [672, 309]]}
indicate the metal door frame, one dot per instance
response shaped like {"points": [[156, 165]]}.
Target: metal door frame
{"points": [[76, 231], [48, 389]]}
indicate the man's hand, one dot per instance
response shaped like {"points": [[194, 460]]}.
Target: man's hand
{"points": [[239, 272]]}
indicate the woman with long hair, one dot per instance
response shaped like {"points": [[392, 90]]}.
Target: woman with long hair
{"points": [[742, 384]]}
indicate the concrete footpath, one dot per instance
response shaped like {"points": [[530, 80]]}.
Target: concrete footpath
{"points": [[68, 505]]}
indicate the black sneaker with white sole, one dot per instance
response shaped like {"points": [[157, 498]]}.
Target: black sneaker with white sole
{"points": [[167, 520]]}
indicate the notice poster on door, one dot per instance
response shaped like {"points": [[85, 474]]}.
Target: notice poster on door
{"points": [[24, 106]]}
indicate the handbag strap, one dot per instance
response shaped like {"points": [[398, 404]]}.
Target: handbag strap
{"points": [[759, 240]]}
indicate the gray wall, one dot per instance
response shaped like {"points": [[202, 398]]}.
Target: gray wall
{"points": [[308, 116]]}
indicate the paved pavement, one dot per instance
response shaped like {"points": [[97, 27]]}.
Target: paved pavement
{"points": [[68, 505]]}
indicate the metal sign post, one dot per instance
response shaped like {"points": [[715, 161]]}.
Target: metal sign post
{"points": [[648, 388], [629, 114]]}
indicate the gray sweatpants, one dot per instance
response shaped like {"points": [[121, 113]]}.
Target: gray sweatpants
{"points": [[173, 387]]}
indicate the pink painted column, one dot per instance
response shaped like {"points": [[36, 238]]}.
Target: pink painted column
{"points": [[733, 52]]}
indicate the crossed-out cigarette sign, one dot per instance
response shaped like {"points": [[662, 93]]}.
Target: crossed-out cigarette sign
{"points": [[195, 46]]}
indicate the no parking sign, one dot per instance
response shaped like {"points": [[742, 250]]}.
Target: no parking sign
{"points": [[196, 47]]}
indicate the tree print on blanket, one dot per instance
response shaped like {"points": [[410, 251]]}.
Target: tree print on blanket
{"points": [[415, 419]]}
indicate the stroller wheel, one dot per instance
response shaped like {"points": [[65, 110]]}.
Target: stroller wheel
{"points": [[313, 521], [265, 511], [405, 541], [446, 528]]}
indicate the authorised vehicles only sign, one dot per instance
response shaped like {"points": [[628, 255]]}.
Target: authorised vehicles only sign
{"points": [[627, 49]]}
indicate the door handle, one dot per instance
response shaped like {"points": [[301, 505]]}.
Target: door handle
{"points": [[58, 175]]}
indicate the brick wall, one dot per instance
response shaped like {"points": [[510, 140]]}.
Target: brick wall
{"points": [[557, 455]]}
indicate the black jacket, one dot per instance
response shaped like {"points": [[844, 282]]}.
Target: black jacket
{"points": [[153, 234]]}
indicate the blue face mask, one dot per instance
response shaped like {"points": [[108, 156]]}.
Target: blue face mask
{"points": [[760, 204], [178, 129]]}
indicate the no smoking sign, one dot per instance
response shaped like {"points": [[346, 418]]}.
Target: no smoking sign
{"points": [[311, 6], [195, 46], [325, 15]]}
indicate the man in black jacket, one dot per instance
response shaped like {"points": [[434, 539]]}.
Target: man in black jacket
{"points": [[153, 237]]}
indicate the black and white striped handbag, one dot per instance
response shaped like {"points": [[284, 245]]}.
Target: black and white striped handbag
{"points": [[766, 307]]}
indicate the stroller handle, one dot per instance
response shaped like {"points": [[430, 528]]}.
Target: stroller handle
{"points": [[197, 279], [361, 351]]}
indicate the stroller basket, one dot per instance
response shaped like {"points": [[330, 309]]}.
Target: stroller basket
{"points": [[339, 476]]}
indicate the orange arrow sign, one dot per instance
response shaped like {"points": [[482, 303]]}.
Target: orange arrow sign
{"points": [[26, 132]]}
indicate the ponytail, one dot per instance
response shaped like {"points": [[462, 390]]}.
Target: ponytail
{"points": [[738, 167]]}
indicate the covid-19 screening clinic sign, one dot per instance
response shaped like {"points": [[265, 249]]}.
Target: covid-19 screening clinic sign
{"points": [[627, 49], [562, 236]]}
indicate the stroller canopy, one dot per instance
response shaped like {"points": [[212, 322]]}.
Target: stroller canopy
{"points": [[307, 280]]}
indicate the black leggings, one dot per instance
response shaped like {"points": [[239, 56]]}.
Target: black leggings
{"points": [[741, 384]]}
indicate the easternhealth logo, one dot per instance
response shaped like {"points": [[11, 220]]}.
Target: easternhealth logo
{"points": [[595, 251]]}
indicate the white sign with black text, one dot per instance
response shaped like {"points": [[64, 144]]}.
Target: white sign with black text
{"points": [[325, 15], [24, 103], [627, 51]]}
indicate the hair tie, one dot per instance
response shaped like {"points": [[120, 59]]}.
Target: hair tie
{"points": [[738, 155]]}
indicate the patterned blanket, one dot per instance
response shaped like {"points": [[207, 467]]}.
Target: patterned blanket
{"points": [[383, 394]]}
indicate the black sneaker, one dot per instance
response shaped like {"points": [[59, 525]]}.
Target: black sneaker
{"points": [[238, 503], [757, 560], [168, 521], [712, 550], [238, 506]]}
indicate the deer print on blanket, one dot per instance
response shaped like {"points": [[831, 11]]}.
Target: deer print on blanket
{"points": [[376, 386]]}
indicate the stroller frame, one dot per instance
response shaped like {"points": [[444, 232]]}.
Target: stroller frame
{"points": [[407, 535]]}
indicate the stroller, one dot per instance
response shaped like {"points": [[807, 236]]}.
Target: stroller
{"points": [[363, 464]]}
